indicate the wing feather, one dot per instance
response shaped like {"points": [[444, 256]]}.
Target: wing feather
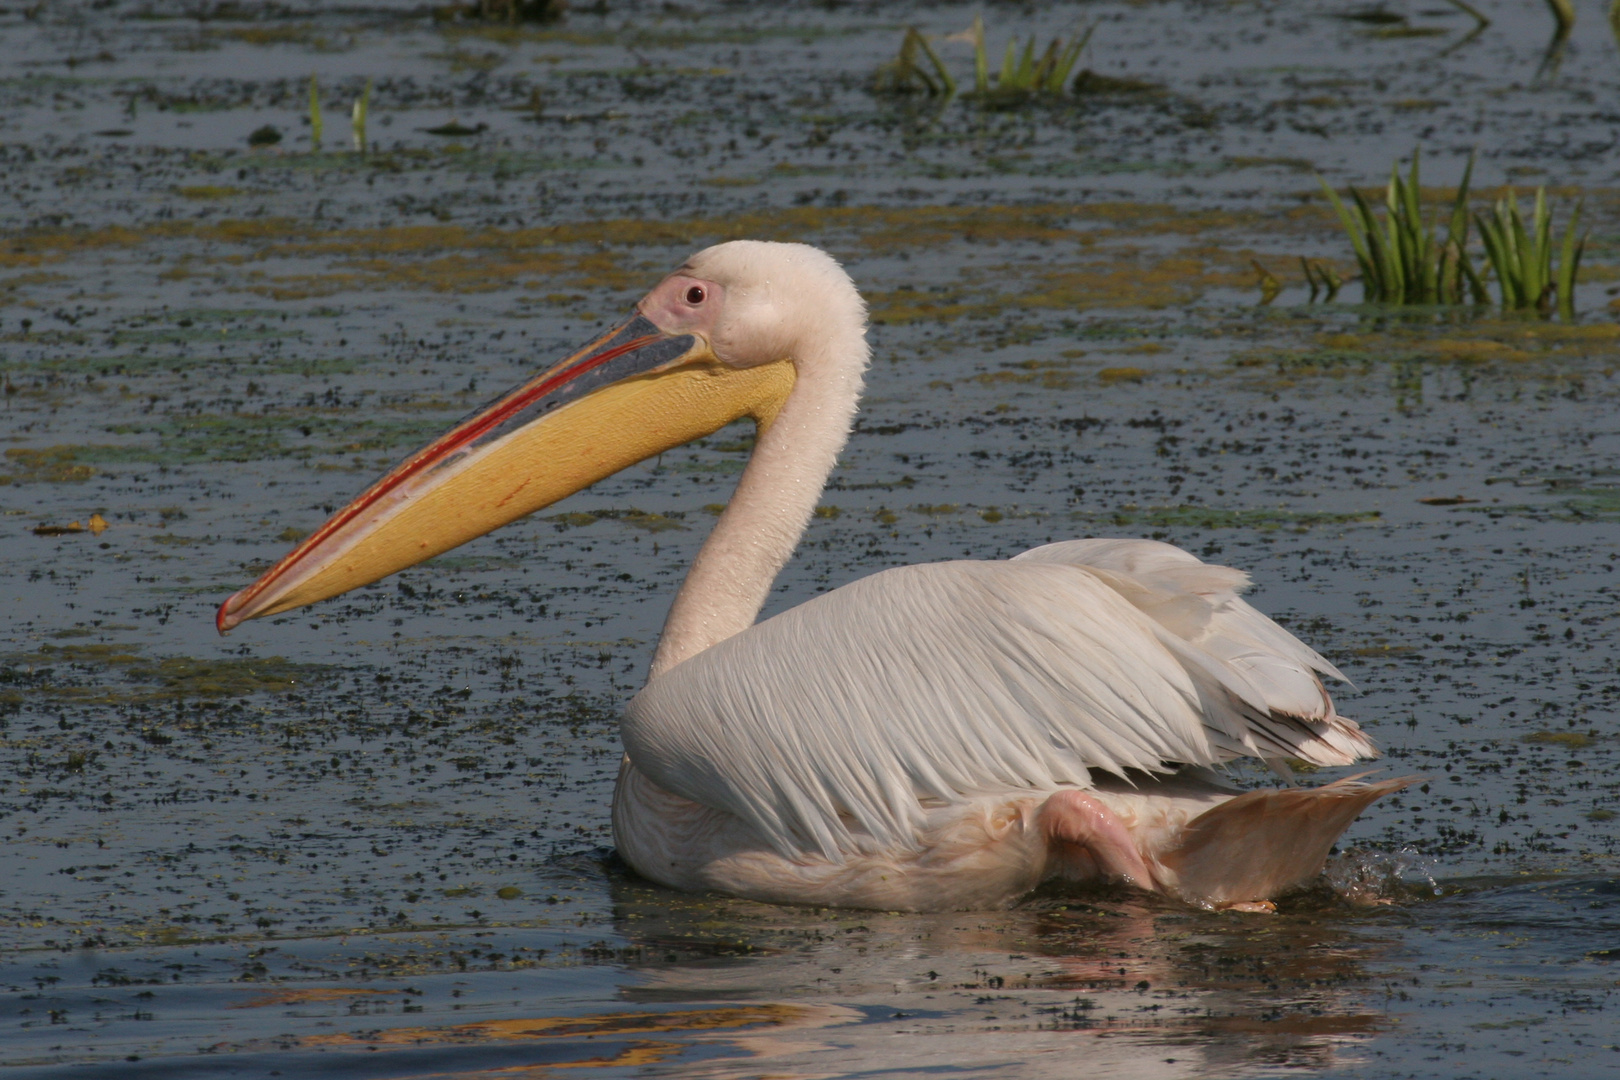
{"points": [[828, 726], [1278, 677]]}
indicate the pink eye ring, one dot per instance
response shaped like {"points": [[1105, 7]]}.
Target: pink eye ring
{"points": [[695, 295]]}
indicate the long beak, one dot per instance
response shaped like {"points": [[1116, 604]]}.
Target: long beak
{"points": [[633, 393]]}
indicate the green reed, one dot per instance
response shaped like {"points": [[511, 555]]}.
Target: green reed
{"points": [[1402, 260], [1024, 72], [1521, 255], [908, 74], [314, 116]]}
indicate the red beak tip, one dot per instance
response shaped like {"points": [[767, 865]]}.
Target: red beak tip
{"points": [[224, 619]]}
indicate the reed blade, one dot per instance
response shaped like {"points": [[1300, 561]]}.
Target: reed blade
{"points": [[1071, 57], [1569, 261], [1490, 234], [981, 58], [1457, 228], [1024, 77], [1040, 77], [1379, 257], [315, 125], [1358, 242], [1543, 242], [941, 72]]}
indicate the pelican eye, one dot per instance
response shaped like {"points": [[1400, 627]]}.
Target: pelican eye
{"points": [[695, 295]]}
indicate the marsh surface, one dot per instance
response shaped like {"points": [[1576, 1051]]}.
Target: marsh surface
{"points": [[370, 839]]}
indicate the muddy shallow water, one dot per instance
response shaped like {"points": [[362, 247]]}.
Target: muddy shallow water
{"points": [[370, 839]]}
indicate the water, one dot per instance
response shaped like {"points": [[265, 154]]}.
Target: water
{"points": [[370, 839]]}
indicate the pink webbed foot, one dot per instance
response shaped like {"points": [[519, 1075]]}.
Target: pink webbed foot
{"points": [[1254, 907], [1078, 821]]}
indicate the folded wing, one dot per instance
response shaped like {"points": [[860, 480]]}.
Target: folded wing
{"points": [[835, 725]]}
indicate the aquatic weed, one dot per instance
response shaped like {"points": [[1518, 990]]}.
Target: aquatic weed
{"points": [[507, 11], [1269, 285], [314, 116], [1321, 278], [1481, 21], [1563, 13], [917, 67], [1401, 262], [1023, 74], [906, 75], [47, 465], [1522, 257]]}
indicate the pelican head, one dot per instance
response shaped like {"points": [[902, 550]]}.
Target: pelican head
{"points": [[721, 338]]}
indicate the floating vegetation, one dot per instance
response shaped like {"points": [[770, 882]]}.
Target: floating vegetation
{"points": [[1024, 73], [1522, 257], [1401, 262], [641, 519], [47, 465], [268, 135], [455, 129], [1377, 16], [1569, 740], [207, 191], [1190, 516], [507, 11], [156, 679], [97, 525], [1089, 82], [1596, 503]]}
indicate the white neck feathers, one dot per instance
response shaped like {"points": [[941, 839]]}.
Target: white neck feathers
{"points": [[768, 513]]}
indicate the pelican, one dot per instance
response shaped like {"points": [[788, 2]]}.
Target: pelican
{"points": [[942, 736]]}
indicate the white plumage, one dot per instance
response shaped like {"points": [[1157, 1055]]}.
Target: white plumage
{"points": [[830, 727]]}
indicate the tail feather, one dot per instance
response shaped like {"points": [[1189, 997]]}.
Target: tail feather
{"points": [[1263, 843]]}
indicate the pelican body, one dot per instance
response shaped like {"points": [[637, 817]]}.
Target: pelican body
{"points": [[942, 736]]}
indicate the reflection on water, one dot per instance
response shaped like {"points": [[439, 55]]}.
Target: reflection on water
{"points": [[1143, 984], [659, 983], [727, 988]]}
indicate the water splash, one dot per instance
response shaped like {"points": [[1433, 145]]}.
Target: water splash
{"points": [[1366, 877]]}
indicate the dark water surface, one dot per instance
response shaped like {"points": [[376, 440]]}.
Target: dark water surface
{"points": [[371, 839]]}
